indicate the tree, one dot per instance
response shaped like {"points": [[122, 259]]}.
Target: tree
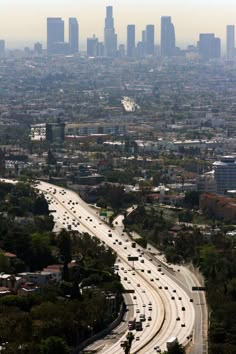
{"points": [[176, 348], [64, 244], [53, 345]]}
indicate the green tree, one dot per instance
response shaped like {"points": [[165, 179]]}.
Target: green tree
{"points": [[53, 345], [65, 245]]}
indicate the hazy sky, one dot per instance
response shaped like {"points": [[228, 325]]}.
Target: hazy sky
{"points": [[25, 20]]}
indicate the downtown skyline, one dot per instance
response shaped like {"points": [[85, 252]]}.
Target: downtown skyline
{"points": [[189, 21]]}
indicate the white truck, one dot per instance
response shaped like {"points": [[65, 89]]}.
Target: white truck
{"points": [[171, 342]]}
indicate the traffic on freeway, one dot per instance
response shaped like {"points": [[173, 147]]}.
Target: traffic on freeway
{"points": [[161, 308]]}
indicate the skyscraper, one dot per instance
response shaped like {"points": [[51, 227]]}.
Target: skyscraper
{"points": [[110, 37], [55, 33], [130, 40], [230, 41], [225, 174], [2, 47], [149, 37], [92, 46], [167, 37], [209, 47], [73, 35]]}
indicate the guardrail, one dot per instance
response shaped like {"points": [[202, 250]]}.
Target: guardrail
{"points": [[104, 332]]}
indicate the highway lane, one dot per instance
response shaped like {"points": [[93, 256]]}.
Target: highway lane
{"points": [[71, 212]]}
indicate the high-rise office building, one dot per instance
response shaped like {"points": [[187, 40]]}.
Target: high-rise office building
{"points": [[209, 47], [38, 48], [225, 174], [230, 41], [110, 37], [2, 47], [92, 46], [55, 34], [73, 35], [130, 40], [167, 37], [149, 40]]}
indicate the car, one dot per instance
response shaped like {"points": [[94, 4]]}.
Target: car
{"points": [[143, 291], [142, 261], [150, 259], [174, 291], [178, 319], [149, 271], [138, 285], [157, 278], [166, 287], [172, 297], [137, 311], [142, 270], [125, 248], [183, 308], [162, 273], [109, 235], [159, 269], [125, 271], [148, 324], [133, 273], [135, 297], [160, 287], [182, 324], [180, 298], [191, 300], [137, 338], [149, 318], [125, 278], [150, 308], [144, 305], [156, 347], [151, 279], [150, 303]]}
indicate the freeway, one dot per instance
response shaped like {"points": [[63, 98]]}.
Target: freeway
{"points": [[172, 313], [167, 306]]}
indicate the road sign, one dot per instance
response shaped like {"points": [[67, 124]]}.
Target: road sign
{"points": [[130, 258], [198, 288]]}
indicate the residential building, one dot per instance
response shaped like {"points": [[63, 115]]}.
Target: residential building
{"points": [[218, 207]]}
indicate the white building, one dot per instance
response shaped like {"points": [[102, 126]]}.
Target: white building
{"points": [[225, 174]]}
